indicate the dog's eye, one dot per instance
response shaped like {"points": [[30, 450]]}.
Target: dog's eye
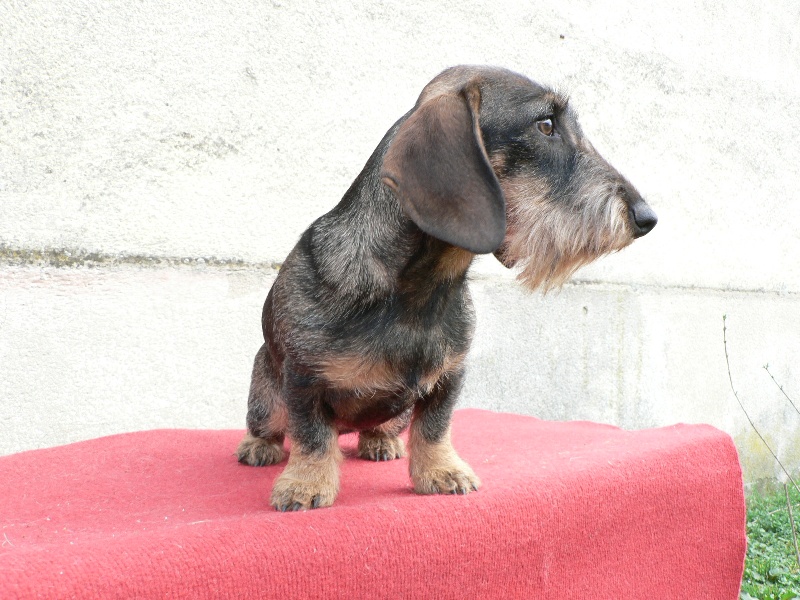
{"points": [[545, 126]]}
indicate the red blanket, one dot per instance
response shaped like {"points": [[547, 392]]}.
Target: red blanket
{"points": [[567, 510]]}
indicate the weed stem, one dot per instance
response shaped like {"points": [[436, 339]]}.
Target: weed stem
{"points": [[780, 387], [791, 522], [753, 425]]}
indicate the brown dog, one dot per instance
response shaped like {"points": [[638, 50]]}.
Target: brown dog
{"points": [[369, 320]]}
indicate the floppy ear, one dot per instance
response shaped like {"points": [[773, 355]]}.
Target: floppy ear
{"points": [[438, 169]]}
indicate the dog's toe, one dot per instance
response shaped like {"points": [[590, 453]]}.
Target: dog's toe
{"points": [[458, 480], [380, 448], [258, 452], [290, 495]]}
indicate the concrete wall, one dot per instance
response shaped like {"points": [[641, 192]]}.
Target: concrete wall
{"points": [[158, 160]]}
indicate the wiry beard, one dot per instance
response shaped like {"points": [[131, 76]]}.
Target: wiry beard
{"points": [[550, 240]]}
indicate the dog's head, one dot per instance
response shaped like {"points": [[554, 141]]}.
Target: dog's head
{"points": [[490, 161]]}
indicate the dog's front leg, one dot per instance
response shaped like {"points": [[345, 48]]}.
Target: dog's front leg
{"points": [[434, 465], [311, 477]]}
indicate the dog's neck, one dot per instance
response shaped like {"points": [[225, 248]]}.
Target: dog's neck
{"points": [[388, 253]]}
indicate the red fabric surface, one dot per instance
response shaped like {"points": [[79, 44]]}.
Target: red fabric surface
{"points": [[567, 510]]}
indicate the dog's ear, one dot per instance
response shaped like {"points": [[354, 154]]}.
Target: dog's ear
{"points": [[438, 168]]}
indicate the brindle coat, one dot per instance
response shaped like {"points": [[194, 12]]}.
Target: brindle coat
{"points": [[369, 320]]}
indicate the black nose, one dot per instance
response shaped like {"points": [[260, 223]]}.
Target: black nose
{"points": [[643, 218]]}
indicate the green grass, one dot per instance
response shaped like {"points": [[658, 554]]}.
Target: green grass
{"points": [[771, 571]]}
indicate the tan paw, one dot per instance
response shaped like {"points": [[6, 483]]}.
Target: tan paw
{"points": [[380, 447], [454, 478], [258, 452], [436, 468], [308, 481], [290, 494]]}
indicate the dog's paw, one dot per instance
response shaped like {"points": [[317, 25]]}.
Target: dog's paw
{"points": [[308, 481], [455, 478], [291, 494], [372, 447], [258, 452]]}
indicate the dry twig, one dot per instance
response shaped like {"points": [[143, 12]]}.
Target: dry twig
{"points": [[780, 387], [791, 522], [753, 425]]}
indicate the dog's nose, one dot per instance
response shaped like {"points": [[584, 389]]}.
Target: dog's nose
{"points": [[643, 218]]}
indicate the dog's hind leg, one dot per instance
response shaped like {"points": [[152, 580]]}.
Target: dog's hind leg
{"points": [[266, 416], [382, 443]]}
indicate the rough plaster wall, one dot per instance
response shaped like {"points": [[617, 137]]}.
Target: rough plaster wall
{"points": [[144, 130]]}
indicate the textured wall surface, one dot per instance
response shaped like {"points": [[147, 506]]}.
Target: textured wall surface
{"points": [[158, 160]]}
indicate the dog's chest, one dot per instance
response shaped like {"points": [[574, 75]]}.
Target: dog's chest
{"points": [[385, 377], [363, 375]]}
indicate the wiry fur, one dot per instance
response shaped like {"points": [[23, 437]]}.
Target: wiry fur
{"points": [[549, 240], [370, 318]]}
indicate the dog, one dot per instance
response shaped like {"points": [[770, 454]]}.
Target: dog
{"points": [[369, 320]]}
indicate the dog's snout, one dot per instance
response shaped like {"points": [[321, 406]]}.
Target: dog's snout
{"points": [[643, 218]]}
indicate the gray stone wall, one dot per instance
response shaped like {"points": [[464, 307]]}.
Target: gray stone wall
{"points": [[158, 161]]}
